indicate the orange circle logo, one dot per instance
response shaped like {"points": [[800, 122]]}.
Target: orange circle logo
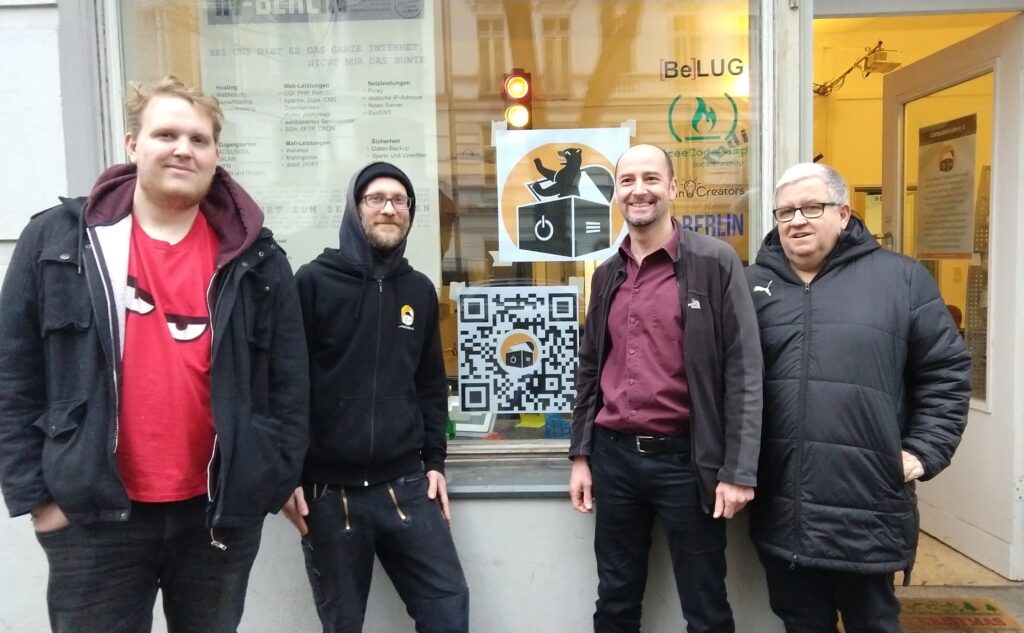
{"points": [[559, 171]]}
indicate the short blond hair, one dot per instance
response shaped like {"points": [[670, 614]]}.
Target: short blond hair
{"points": [[139, 95]]}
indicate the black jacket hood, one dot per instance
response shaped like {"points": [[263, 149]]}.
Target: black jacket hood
{"points": [[355, 255], [854, 242]]}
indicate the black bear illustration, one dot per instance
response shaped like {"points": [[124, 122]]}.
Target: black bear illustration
{"points": [[566, 181]]}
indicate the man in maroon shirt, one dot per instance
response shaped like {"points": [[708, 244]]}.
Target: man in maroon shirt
{"points": [[667, 417]]}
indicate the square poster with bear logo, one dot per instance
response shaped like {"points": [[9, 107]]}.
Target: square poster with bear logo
{"points": [[517, 348], [555, 194]]}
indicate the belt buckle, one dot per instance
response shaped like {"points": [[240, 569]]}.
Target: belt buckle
{"points": [[637, 438]]}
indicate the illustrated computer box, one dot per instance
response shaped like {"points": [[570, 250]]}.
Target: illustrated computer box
{"points": [[570, 226]]}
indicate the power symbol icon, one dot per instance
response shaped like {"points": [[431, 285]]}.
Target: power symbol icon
{"points": [[544, 225]]}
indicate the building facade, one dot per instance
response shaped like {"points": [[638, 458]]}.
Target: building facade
{"points": [[312, 89]]}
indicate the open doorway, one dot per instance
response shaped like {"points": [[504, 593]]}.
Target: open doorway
{"points": [[851, 57]]}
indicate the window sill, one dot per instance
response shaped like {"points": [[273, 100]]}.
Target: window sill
{"points": [[509, 469]]}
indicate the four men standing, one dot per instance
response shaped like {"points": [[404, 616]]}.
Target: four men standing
{"points": [[155, 398]]}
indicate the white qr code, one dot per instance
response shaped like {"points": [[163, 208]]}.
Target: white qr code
{"points": [[518, 349]]}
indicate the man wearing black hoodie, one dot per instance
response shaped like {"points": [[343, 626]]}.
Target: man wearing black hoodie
{"points": [[153, 381], [866, 391], [373, 481]]}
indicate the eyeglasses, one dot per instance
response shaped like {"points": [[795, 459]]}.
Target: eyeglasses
{"points": [[376, 201], [809, 210]]}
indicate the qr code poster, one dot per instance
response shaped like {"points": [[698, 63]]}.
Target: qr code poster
{"points": [[518, 349]]}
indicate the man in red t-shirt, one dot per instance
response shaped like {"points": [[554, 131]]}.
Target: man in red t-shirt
{"points": [[155, 389]]}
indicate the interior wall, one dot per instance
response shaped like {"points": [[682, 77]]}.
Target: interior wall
{"points": [[848, 122]]}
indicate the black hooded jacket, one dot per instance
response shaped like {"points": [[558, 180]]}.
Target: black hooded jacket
{"points": [[61, 333], [379, 390], [861, 363]]}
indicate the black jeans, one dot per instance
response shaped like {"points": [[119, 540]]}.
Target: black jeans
{"points": [[633, 489], [406, 530], [809, 600], [104, 576]]}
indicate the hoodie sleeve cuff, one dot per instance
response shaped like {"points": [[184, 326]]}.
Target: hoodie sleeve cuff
{"points": [[429, 465]]}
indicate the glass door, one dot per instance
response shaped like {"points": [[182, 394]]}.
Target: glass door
{"points": [[951, 199]]}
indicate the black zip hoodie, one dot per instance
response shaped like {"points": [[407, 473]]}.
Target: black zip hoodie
{"points": [[379, 390]]}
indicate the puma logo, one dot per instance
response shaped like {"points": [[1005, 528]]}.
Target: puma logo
{"points": [[765, 289]]}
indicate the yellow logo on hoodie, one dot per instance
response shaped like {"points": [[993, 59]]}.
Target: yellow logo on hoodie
{"points": [[407, 317]]}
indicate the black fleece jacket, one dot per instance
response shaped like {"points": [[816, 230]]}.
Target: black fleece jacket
{"points": [[379, 390], [723, 361]]}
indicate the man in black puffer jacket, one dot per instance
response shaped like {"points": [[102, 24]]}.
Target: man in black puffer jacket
{"points": [[374, 477], [866, 390]]}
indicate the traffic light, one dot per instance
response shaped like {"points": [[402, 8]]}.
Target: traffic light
{"points": [[517, 92]]}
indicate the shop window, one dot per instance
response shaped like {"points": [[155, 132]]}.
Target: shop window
{"points": [[312, 90]]}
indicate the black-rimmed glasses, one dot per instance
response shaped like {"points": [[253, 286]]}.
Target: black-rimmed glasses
{"points": [[809, 210], [376, 201]]}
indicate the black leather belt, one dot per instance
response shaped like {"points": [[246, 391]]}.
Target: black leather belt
{"points": [[647, 444]]}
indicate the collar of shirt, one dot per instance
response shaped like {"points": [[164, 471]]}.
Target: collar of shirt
{"points": [[670, 248]]}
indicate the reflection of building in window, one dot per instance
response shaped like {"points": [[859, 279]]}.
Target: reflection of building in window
{"points": [[685, 35], [487, 164], [164, 27], [490, 37], [557, 73]]}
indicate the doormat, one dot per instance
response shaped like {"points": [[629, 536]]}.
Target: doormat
{"points": [[956, 615]]}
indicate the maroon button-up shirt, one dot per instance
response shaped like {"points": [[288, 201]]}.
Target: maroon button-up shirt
{"points": [[643, 381]]}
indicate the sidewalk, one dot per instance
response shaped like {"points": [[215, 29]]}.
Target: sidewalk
{"points": [[953, 594]]}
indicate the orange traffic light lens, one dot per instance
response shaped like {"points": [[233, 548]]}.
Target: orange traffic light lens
{"points": [[517, 87], [517, 116]]}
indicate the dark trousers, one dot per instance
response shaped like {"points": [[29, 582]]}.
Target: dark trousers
{"points": [[809, 600], [406, 530], [104, 576], [633, 489]]}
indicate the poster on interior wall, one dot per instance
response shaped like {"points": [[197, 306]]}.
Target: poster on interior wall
{"points": [[311, 92], [517, 348], [945, 189], [555, 191]]}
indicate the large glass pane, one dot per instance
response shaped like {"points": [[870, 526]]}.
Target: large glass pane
{"points": [[313, 89], [948, 158]]}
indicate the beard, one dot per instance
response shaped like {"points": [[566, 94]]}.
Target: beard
{"points": [[645, 220], [174, 196], [385, 240]]}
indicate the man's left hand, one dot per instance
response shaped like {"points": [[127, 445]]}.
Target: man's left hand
{"points": [[730, 499], [438, 489], [912, 467]]}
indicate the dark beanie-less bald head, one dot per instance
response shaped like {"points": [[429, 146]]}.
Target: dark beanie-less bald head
{"points": [[384, 170]]}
